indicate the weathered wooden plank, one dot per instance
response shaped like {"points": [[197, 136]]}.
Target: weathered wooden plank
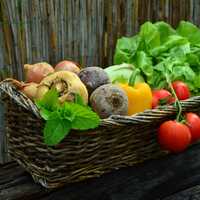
{"points": [[2, 135], [13, 15], [54, 30], [152, 180], [1, 49], [187, 194]]}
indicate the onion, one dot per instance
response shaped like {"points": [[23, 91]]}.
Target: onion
{"points": [[67, 65], [30, 89], [35, 73]]}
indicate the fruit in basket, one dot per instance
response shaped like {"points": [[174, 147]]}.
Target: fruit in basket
{"points": [[67, 65], [109, 100], [181, 89], [36, 72], [161, 97], [193, 123], [30, 89], [66, 83], [93, 77], [174, 136]]}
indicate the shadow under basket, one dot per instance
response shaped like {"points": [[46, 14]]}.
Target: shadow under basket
{"points": [[118, 142]]}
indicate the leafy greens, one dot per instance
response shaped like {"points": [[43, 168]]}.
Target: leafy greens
{"points": [[158, 48], [61, 118]]}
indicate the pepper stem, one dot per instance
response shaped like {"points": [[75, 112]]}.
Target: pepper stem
{"points": [[133, 77]]}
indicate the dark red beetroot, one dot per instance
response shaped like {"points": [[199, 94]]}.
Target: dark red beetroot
{"points": [[93, 77], [109, 99]]}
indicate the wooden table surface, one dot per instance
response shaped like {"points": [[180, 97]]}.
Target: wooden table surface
{"points": [[175, 177]]}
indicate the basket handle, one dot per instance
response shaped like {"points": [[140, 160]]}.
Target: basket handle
{"points": [[11, 87]]}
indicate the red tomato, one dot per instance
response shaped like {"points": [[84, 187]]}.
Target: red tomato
{"points": [[193, 122], [172, 100], [160, 97], [174, 136], [155, 102], [181, 89]]}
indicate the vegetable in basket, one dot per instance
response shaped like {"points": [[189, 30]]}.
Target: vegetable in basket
{"points": [[36, 72], [139, 94], [66, 83], [122, 73], [161, 97], [109, 99], [93, 77], [30, 89], [67, 65], [158, 47], [60, 118]]}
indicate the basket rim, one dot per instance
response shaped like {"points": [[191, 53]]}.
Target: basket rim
{"points": [[11, 87]]}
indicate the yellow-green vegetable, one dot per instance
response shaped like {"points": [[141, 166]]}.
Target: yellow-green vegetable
{"points": [[122, 73], [139, 95]]}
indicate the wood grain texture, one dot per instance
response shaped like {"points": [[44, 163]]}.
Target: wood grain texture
{"points": [[82, 30], [192, 193], [166, 179]]}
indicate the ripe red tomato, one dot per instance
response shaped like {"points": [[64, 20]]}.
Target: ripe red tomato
{"points": [[172, 100], [193, 122], [160, 97], [174, 136], [181, 89]]}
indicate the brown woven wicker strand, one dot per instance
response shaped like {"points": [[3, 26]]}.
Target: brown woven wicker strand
{"points": [[119, 141]]}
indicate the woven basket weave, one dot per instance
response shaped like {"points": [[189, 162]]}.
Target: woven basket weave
{"points": [[118, 142]]}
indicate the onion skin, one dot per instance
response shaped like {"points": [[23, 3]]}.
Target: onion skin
{"points": [[67, 65], [30, 90], [36, 72], [66, 83]]}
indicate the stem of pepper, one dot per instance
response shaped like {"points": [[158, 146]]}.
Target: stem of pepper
{"points": [[176, 98], [133, 77]]}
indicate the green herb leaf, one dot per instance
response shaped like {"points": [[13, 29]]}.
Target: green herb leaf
{"points": [[79, 99], [55, 131], [49, 101], [84, 118], [60, 119], [45, 113]]}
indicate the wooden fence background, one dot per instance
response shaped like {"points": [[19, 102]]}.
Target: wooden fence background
{"points": [[82, 30]]}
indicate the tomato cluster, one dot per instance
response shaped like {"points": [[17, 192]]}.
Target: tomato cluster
{"points": [[176, 136], [163, 96]]}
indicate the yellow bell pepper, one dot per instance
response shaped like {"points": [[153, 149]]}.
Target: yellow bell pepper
{"points": [[139, 96]]}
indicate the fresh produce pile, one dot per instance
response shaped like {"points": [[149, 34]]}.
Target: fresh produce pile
{"points": [[71, 98], [158, 66], [159, 49]]}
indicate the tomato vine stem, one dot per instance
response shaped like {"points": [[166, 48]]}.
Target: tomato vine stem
{"points": [[177, 102]]}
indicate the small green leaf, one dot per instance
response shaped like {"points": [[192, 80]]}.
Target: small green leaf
{"points": [[45, 113], [65, 112], [79, 99], [55, 131], [84, 118], [50, 100]]}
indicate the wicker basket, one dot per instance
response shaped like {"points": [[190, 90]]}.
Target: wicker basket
{"points": [[119, 141]]}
